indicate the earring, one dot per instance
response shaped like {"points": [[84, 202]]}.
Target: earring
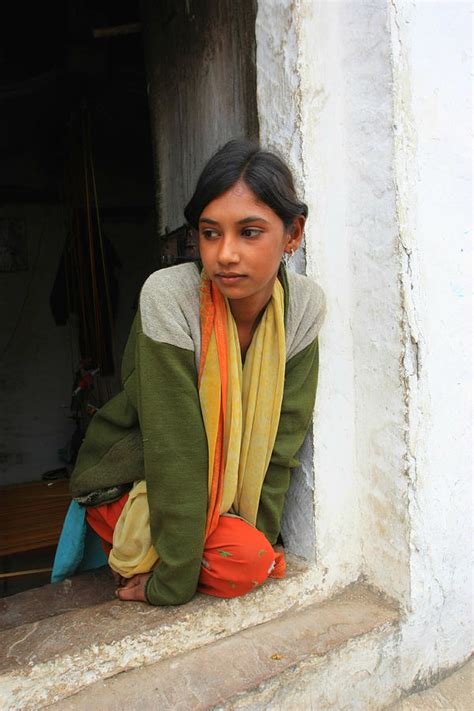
{"points": [[287, 256]]}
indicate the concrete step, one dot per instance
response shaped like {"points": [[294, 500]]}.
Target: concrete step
{"points": [[40, 603], [293, 662], [265, 666], [194, 656], [61, 638], [453, 693]]}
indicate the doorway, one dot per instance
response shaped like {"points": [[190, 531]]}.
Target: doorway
{"points": [[77, 240]]}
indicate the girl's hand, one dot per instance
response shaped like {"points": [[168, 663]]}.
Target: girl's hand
{"points": [[134, 588]]}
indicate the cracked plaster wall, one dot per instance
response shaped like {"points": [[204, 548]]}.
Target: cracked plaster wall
{"points": [[431, 49], [371, 232], [368, 102]]}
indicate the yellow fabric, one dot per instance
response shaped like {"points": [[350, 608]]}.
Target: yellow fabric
{"points": [[254, 399], [132, 551], [253, 408]]}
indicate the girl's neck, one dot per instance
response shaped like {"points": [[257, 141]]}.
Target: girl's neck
{"points": [[247, 317], [247, 312]]}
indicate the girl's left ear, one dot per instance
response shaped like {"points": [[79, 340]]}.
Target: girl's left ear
{"points": [[295, 234]]}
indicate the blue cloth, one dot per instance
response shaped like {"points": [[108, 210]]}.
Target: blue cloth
{"points": [[79, 547]]}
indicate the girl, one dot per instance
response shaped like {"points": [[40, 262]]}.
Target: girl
{"points": [[184, 473]]}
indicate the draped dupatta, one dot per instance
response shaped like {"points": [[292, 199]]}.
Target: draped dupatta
{"points": [[240, 404]]}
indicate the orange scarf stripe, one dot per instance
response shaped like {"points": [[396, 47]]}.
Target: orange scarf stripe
{"points": [[214, 317], [207, 310], [215, 494]]}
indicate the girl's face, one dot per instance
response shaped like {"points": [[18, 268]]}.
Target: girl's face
{"points": [[241, 243]]}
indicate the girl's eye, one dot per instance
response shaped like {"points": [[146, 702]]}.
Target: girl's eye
{"points": [[251, 232], [209, 234]]}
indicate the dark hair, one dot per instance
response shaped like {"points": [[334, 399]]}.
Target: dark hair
{"points": [[263, 172]]}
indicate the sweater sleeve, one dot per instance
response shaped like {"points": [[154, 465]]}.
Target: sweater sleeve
{"points": [[174, 445], [175, 459], [299, 395], [153, 429]]}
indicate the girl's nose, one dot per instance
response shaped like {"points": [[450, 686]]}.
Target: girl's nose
{"points": [[228, 252]]}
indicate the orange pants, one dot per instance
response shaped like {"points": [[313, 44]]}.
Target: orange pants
{"points": [[237, 557]]}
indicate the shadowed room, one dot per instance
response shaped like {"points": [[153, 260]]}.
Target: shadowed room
{"points": [[76, 242]]}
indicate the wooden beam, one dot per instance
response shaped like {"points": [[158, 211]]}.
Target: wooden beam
{"points": [[132, 28], [34, 571]]}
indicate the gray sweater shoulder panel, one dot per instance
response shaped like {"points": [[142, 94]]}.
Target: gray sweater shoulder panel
{"points": [[169, 307], [306, 312]]}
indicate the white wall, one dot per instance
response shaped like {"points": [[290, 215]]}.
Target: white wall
{"points": [[304, 124], [368, 101], [431, 54]]}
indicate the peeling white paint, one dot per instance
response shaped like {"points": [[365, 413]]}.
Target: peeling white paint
{"points": [[433, 173]]}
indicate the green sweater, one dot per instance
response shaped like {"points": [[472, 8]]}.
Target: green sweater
{"points": [[153, 428]]}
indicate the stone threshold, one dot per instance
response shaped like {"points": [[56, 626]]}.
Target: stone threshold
{"points": [[36, 604], [258, 668], [74, 635]]}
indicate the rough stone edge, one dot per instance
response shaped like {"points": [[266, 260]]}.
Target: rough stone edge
{"points": [[424, 682], [352, 676], [429, 686], [369, 608], [62, 676]]}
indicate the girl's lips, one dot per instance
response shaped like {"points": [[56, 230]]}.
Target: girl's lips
{"points": [[230, 278]]}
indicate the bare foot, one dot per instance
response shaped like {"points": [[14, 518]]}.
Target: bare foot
{"points": [[134, 588]]}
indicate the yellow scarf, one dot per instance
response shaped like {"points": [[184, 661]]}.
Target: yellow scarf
{"points": [[241, 411]]}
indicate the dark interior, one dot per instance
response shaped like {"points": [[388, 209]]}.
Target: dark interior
{"points": [[77, 232]]}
